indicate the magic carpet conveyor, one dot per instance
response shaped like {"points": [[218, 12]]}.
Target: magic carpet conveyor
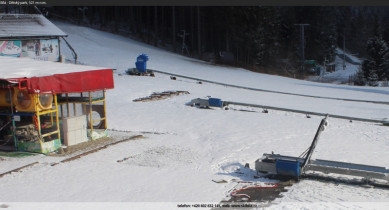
{"points": [[298, 167]]}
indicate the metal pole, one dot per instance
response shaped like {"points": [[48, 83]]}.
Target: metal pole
{"points": [[56, 116], [302, 43], [314, 143], [183, 42], [13, 120], [198, 32], [62, 112], [344, 49], [75, 56], [174, 28]]}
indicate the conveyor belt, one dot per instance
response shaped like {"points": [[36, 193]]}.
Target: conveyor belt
{"points": [[328, 166]]}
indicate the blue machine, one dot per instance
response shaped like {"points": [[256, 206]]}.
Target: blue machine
{"points": [[140, 63], [216, 102], [288, 168]]}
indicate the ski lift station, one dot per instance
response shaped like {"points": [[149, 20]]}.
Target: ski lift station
{"points": [[45, 104]]}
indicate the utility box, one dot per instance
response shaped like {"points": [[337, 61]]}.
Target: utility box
{"points": [[288, 168], [141, 63], [217, 102], [75, 130]]}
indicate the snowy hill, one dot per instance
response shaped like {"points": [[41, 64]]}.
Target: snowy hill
{"points": [[186, 148], [114, 51]]}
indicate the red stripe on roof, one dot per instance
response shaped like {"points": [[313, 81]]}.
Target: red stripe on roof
{"points": [[86, 81]]}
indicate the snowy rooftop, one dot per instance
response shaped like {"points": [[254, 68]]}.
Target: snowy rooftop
{"points": [[27, 25], [26, 67]]}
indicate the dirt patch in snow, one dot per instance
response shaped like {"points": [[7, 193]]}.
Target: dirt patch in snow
{"points": [[261, 195], [4, 206], [86, 146], [160, 96]]}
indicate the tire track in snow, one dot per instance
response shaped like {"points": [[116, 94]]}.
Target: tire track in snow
{"points": [[19, 169]]}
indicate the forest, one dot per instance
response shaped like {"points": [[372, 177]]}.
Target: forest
{"points": [[257, 38]]}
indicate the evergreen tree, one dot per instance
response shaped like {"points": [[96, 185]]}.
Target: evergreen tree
{"points": [[360, 79], [373, 78], [369, 72], [378, 59], [266, 36], [255, 35], [327, 34]]}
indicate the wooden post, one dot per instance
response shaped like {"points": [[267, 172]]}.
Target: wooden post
{"points": [[105, 112], [90, 113]]}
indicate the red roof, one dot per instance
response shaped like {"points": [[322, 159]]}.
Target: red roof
{"points": [[86, 81], [54, 77]]}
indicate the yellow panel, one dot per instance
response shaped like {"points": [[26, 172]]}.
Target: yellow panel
{"points": [[5, 99], [26, 102]]}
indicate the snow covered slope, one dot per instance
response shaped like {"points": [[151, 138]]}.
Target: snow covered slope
{"points": [[118, 52], [186, 147]]}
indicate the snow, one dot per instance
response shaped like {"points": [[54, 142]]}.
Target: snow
{"points": [[117, 52], [185, 148], [27, 25], [341, 75], [27, 67]]}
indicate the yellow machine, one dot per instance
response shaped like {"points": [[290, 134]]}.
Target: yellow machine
{"points": [[5, 97], [26, 102]]}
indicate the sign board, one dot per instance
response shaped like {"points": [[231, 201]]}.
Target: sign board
{"points": [[10, 48], [44, 49]]}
